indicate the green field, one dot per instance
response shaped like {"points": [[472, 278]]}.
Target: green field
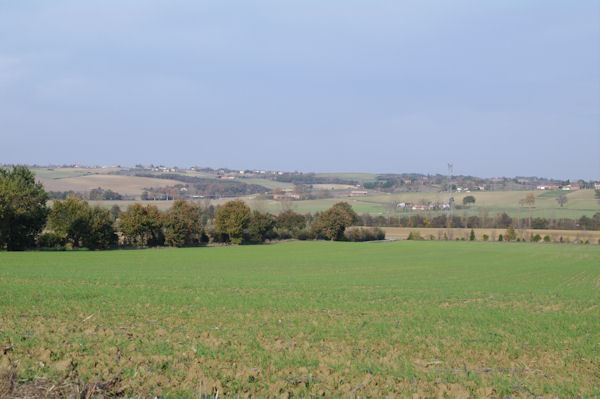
{"points": [[307, 319], [579, 203]]}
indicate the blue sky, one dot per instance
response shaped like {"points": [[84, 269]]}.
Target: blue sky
{"points": [[499, 88]]}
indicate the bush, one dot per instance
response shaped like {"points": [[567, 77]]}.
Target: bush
{"points": [[472, 235], [500, 238], [546, 238], [414, 235], [535, 238], [50, 240], [486, 237], [364, 234]]}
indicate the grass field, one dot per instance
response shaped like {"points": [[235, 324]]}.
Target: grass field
{"points": [[388, 319]]}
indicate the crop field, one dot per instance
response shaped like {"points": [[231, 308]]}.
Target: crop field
{"points": [[129, 185], [300, 319], [568, 236]]}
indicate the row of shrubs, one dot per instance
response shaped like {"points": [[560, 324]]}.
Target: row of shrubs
{"points": [[509, 235]]}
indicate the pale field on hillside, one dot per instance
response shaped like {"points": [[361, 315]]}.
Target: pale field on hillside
{"points": [[402, 233]]}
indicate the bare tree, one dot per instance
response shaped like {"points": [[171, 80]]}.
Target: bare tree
{"points": [[562, 200]]}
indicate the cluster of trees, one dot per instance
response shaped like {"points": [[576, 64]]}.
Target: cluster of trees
{"points": [[96, 194], [199, 185], [26, 221], [501, 221]]}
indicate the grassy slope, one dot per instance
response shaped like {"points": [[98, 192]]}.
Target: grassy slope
{"points": [[311, 317]]}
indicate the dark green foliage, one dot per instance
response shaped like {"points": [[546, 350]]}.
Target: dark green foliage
{"points": [[232, 219], [142, 226], [535, 238], [486, 237], [546, 238], [23, 210], [472, 235], [260, 227], [468, 200], [183, 225], [290, 221], [81, 225], [539, 223], [99, 194], [332, 223], [357, 234], [50, 240], [500, 238]]}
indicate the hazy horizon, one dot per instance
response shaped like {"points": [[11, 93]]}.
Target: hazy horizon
{"points": [[497, 88]]}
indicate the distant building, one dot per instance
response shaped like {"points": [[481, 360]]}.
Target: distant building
{"points": [[597, 186], [571, 187], [286, 196], [547, 187]]}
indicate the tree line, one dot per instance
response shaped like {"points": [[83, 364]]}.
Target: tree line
{"points": [[27, 222], [500, 221]]}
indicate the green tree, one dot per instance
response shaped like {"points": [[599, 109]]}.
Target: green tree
{"points": [[510, 234], [232, 219], [142, 226], [260, 228], [101, 234], [347, 208], [472, 235], [290, 221], [183, 225], [23, 210], [81, 225], [332, 223], [70, 220], [468, 200]]}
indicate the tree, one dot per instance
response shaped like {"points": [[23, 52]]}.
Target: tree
{"points": [[232, 219], [472, 235], [290, 221], [81, 225], [332, 223], [23, 210], [347, 208], [510, 234], [468, 200], [70, 220], [260, 227], [530, 199], [101, 234], [142, 225], [183, 224], [562, 200]]}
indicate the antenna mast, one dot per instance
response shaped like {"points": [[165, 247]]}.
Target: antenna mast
{"points": [[449, 187]]}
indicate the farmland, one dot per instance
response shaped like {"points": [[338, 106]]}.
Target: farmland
{"points": [[306, 319]]}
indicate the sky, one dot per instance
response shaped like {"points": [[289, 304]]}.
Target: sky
{"points": [[498, 88]]}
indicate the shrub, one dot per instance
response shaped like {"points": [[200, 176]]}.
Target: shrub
{"points": [[535, 238], [500, 238], [472, 235], [546, 238], [486, 237], [51, 240], [414, 235], [364, 234]]}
